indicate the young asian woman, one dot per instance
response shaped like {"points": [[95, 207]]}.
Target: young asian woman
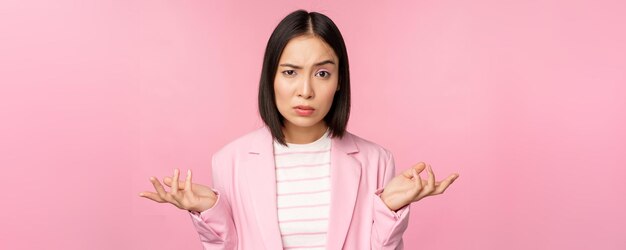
{"points": [[302, 180]]}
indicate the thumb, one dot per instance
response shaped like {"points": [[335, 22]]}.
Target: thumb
{"points": [[168, 182], [419, 167]]}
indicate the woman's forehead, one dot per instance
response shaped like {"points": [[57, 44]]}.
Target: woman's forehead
{"points": [[306, 51]]}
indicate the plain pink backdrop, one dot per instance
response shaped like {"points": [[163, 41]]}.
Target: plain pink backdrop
{"points": [[525, 99]]}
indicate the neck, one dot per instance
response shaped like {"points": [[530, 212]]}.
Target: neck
{"points": [[303, 135]]}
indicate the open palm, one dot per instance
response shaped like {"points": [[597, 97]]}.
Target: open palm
{"points": [[409, 187], [183, 194]]}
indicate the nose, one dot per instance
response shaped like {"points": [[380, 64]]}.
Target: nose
{"points": [[306, 91]]}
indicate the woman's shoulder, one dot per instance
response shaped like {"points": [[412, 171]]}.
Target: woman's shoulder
{"points": [[243, 142], [367, 146]]}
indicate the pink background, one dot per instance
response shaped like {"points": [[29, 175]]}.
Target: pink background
{"points": [[525, 99]]}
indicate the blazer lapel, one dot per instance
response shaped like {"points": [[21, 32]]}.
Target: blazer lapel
{"points": [[260, 173], [345, 176]]}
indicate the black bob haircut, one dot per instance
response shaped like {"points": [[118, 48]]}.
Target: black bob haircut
{"points": [[298, 23]]}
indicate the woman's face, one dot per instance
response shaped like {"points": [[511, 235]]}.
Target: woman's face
{"points": [[307, 77]]}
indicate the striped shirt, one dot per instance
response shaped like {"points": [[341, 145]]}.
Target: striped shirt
{"points": [[303, 192]]}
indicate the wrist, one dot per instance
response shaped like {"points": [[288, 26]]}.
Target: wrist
{"points": [[205, 205], [385, 198]]}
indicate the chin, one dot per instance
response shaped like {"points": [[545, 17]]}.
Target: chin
{"points": [[303, 122]]}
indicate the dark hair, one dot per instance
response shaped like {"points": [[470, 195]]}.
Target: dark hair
{"points": [[297, 23]]}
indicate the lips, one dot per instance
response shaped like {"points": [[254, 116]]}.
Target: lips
{"points": [[303, 110], [304, 107]]}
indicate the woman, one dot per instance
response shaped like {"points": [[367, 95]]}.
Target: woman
{"points": [[302, 181]]}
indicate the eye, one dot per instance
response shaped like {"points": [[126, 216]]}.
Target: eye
{"points": [[289, 72], [324, 74]]}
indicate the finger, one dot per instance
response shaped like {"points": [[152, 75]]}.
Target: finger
{"points": [[409, 172], [429, 187], [188, 181], [163, 195], [418, 181], [158, 187], [445, 183], [174, 189], [425, 182], [437, 183], [168, 182], [431, 179], [152, 196]]}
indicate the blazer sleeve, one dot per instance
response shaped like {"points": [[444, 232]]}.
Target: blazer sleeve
{"points": [[389, 226], [216, 226]]}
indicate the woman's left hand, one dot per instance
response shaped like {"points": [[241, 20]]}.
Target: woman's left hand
{"points": [[409, 187]]}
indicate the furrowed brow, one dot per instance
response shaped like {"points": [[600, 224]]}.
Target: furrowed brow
{"points": [[300, 67]]}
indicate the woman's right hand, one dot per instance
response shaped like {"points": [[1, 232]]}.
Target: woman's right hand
{"points": [[184, 195]]}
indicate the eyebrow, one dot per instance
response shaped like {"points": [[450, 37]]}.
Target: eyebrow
{"points": [[300, 67]]}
